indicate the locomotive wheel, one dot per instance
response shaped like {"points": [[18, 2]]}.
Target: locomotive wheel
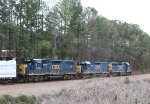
{"points": [[84, 76], [41, 78], [21, 80], [5, 81]]}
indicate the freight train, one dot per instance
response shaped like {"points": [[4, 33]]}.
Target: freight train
{"points": [[45, 69]]}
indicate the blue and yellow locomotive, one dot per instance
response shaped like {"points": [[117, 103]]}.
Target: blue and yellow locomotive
{"points": [[45, 69]]}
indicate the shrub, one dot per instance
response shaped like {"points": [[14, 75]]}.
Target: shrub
{"points": [[6, 99], [22, 99]]}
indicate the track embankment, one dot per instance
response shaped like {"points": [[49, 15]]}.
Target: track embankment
{"points": [[110, 90]]}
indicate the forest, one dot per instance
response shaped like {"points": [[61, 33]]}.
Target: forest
{"points": [[70, 31]]}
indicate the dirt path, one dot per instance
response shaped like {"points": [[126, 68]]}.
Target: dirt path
{"points": [[52, 87]]}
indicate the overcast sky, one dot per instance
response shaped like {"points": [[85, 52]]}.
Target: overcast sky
{"points": [[131, 11]]}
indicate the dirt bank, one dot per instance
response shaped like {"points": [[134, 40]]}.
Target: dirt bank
{"points": [[116, 90]]}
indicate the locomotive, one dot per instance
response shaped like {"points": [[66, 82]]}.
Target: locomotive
{"points": [[45, 69]]}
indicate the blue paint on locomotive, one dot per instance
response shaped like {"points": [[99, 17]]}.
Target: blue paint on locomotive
{"points": [[86, 67], [62, 67], [123, 67], [47, 66], [127, 67], [38, 66], [101, 67]]}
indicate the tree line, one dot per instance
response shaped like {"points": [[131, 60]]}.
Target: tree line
{"points": [[70, 31]]}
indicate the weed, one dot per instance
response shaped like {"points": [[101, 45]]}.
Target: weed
{"points": [[127, 80]]}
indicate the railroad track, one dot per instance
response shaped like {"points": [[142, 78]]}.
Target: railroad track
{"points": [[56, 80]]}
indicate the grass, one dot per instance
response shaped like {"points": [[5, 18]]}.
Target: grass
{"points": [[22, 99]]}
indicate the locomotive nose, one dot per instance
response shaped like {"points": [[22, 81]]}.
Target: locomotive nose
{"points": [[22, 68], [78, 69]]}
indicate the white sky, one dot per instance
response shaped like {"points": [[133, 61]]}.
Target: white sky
{"points": [[131, 11]]}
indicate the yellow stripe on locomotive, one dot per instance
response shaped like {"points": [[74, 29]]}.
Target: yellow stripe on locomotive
{"points": [[22, 69], [78, 69], [110, 67]]}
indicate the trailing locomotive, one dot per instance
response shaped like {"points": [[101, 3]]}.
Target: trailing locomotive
{"points": [[102, 69], [45, 69]]}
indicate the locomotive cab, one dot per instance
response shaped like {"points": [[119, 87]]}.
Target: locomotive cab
{"points": [[37, 64], [84, 67], [33, 66], [127, 68]]}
